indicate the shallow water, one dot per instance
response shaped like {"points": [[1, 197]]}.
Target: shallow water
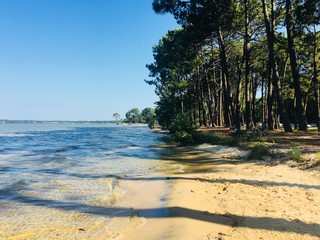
{"points": [[66, 181]]}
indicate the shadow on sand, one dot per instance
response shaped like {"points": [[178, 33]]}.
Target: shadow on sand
{"points": [[266, 223]]}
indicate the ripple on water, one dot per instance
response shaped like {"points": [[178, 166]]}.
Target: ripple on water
{"points": [[63, 182]]}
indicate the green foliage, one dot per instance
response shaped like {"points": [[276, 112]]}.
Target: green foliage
{"points": [[116, 116], [259, 151], [214, 138], [184, 138], [214, 40], [200, 137], [182, 123], [295, 152], [134, 116], [149, 117], [183, 129]]}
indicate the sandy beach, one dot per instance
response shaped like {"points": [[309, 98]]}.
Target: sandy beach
{"points": [[156, 192], [233, 199]]}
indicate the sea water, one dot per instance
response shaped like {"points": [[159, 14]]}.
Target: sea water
{"points": [[71, 180]]}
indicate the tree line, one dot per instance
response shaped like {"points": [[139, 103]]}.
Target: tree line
{"points": [[238, 63], [134, 116]]}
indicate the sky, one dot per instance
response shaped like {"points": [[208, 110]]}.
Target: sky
{"points": [[77, 59]]}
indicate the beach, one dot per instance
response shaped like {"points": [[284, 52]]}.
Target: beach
{"points": [[84, 181], [230, 199]]}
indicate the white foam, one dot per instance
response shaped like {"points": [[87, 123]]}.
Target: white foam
{"points": [[15, 135]]}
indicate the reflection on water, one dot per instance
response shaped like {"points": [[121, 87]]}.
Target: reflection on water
{"points": [[55, 179]]}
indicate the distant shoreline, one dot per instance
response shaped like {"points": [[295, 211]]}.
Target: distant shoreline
{"points": [[57, 121]]}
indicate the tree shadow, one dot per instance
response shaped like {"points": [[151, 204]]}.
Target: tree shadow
{"points": [[178, 176], [263, 223], [221, 180], [302, 138]]}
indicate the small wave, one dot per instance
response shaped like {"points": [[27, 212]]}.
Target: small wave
{"points": [[8, 156], [15, 135], [57, 150], [133, 146], [4, 169], [66, 149], [13, 187], [49, 171], [111, 152]]}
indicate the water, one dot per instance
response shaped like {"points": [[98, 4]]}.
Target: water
{"points": [[65, 180]]}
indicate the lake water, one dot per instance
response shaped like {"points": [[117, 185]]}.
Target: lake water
{"points": [[67, 180]]}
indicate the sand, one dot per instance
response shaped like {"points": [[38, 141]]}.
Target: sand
{"points": [[214, 197], [218, 198]]}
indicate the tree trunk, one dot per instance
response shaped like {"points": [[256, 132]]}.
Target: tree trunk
{"points": [[254, 87], [210, 101], [246, 54], [315, 78], [262, 102], [204, 112], [270, 100], [199, 103], [228, 113], [221, 123], [237, 98], [273, 67], [301, 115]]}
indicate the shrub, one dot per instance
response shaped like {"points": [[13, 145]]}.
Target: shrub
{"points": [[182, 123], [295, 152], [184, 138], [206, 137], [198, 137], [259, 151]]}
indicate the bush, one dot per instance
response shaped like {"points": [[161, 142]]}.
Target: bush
{"points": [[259, 151], [184, 138], [152, 123], [198, 137], [183, 129], [295, 152], [182, 123], [214, 138]]}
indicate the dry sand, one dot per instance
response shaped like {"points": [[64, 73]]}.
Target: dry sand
{"points": [[233, 199]]}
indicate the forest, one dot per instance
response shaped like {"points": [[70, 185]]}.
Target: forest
{"points": [[238, 63]]}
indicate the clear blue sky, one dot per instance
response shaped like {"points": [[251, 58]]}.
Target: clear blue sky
{"points": [[76, 59]]}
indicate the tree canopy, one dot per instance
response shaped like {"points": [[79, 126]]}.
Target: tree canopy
{"points": [[238, 62]]}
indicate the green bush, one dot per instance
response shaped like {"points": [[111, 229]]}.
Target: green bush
{"points": [[182, 123], [214, 138], [184, 138], [295, 153], [259, 151], [198, 137]]}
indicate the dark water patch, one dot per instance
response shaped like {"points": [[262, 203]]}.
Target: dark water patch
{"points": [[48, 170], [56, 150], [57, 159], [66, 149], [132, 146], [5, 169], [14, 170], [14, 187]]}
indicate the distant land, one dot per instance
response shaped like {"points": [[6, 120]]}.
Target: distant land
{"points": [[49, 121]]}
